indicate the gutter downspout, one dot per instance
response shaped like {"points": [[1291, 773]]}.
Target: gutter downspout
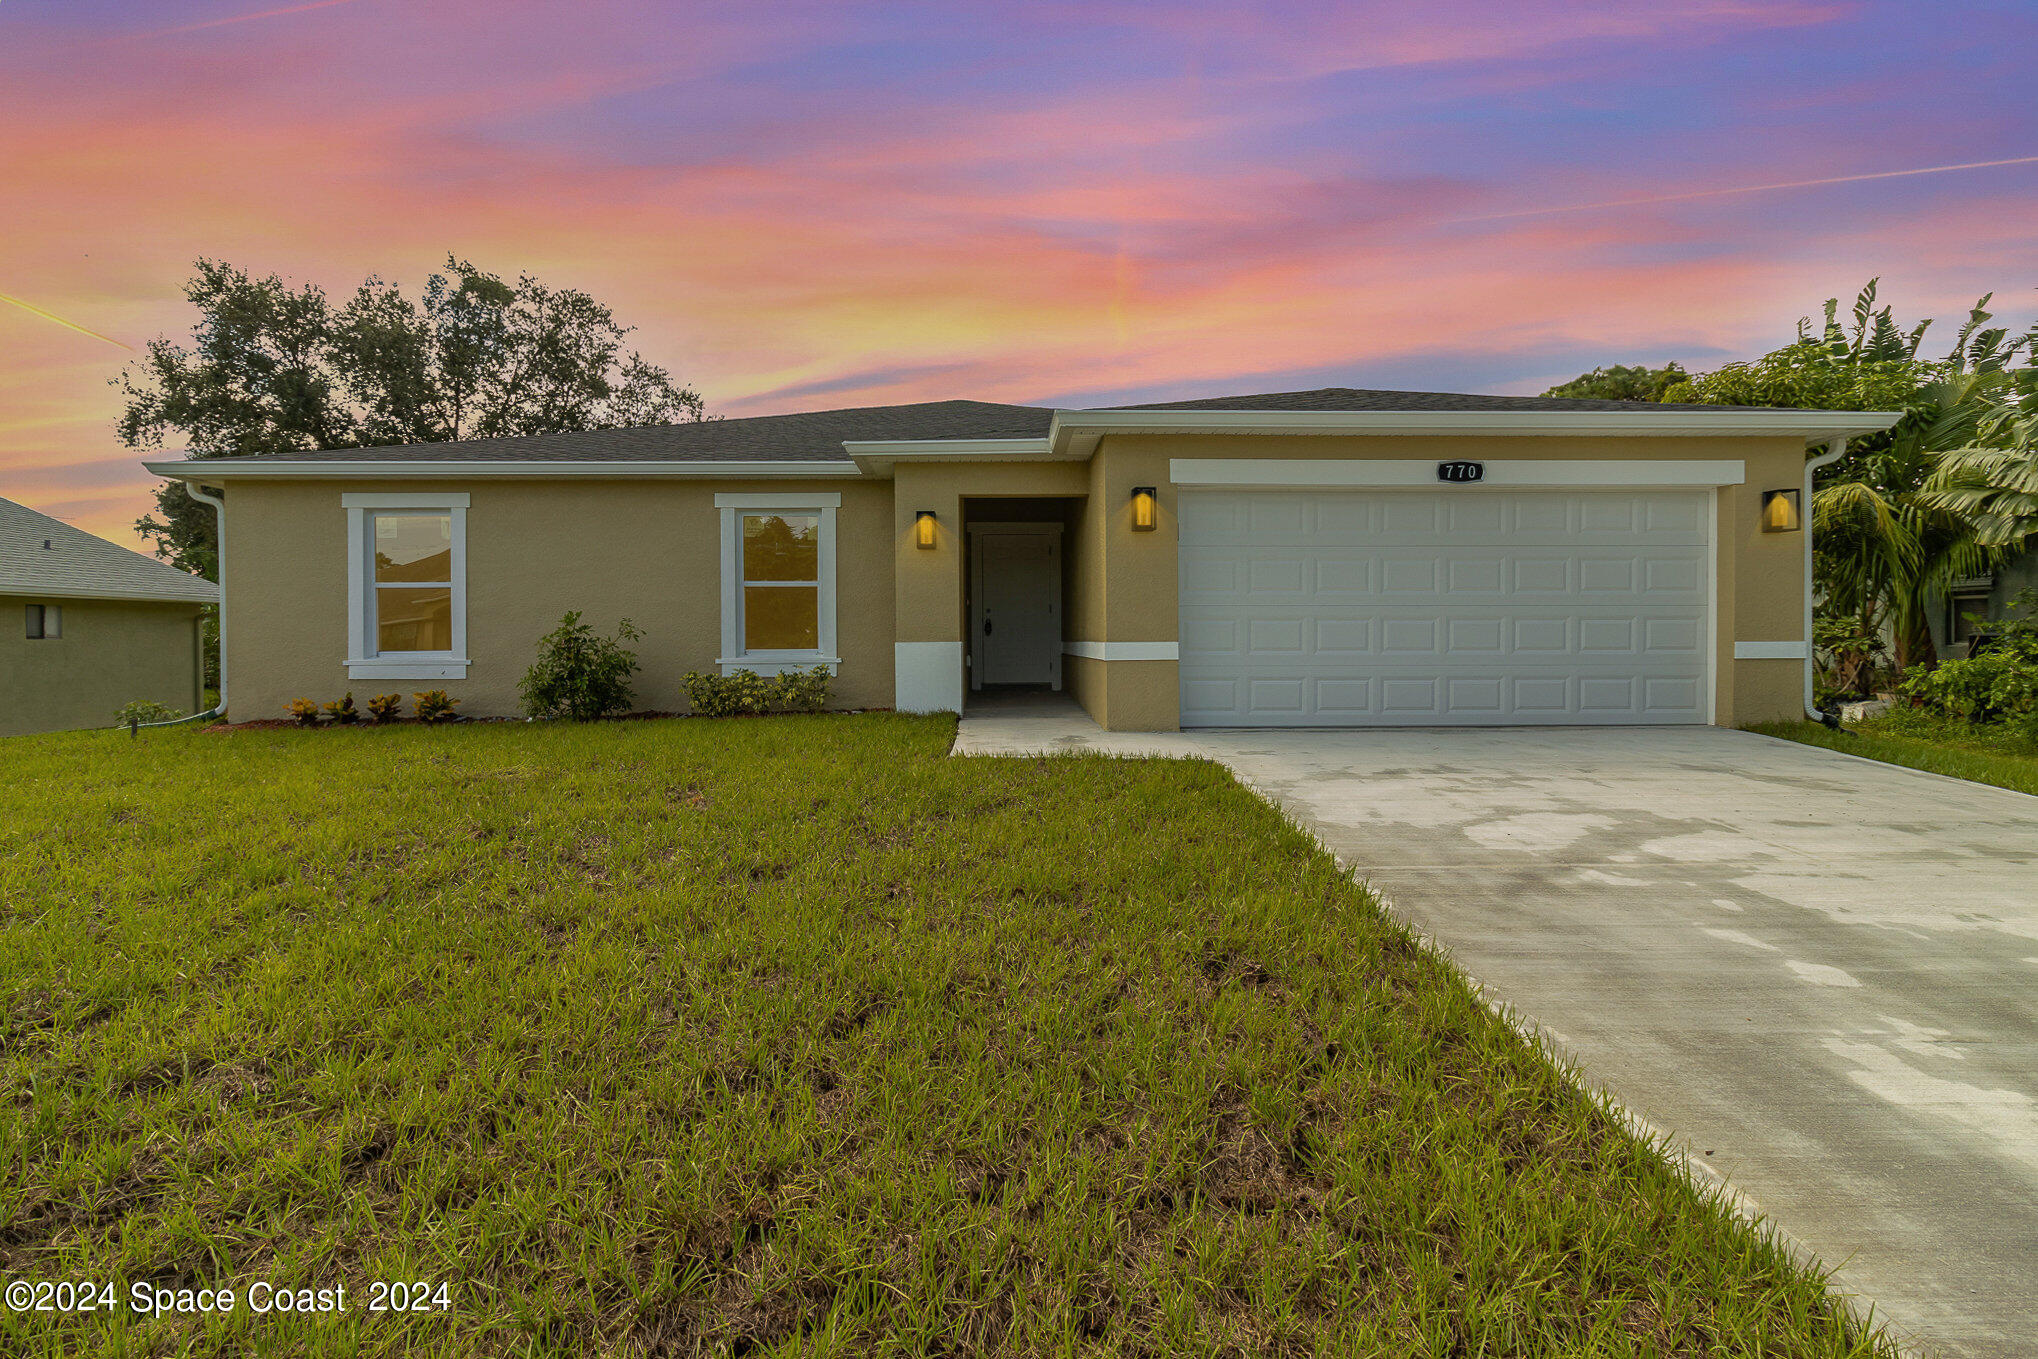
{"points": [[1835, 449], [218, 709]]}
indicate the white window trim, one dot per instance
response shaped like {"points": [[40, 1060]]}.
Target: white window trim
{"points": [[363, 661], [732, 507]]}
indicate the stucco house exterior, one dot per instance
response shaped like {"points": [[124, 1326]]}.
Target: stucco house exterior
{"points": [[1338, 557], [86, 627]]}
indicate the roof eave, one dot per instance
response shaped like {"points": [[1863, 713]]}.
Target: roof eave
{"points": [[1077, 432], [47, 590], [355, 469], [877, 457]]}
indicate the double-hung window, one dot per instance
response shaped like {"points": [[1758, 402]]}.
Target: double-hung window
{"points": [[45, 621], [406, 586], [778, 581]]}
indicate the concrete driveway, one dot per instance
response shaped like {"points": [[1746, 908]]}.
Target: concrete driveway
{"points": [[1820, 972]]}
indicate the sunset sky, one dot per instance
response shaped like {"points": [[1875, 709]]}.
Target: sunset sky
{"points": [[812, 205]]}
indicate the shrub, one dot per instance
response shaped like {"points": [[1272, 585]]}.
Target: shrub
{"points": [[804, 691], [304, 710], [435, 705], [747, 692], [581, 674], [144, 710], [342, 710], [1999, 684], [385, 707]]}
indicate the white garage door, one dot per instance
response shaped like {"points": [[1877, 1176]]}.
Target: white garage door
{"points": [[1453, 607]]}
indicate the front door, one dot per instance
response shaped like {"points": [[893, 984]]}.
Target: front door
{"points": [[1016, 622]]}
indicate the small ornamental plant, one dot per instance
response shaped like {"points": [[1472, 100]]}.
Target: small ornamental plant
{"points": [[435, 705], [342, 710], [385, 707], [581, 674], [143, 711], [747, 693], [305, 710]]}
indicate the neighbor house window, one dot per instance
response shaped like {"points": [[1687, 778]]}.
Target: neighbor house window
{"points": [[407, 586], [1966, 601], [45, 621], [778, 581]]}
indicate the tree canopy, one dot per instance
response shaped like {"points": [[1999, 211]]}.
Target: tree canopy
{"points": [[1622, 382], [270, 368]]}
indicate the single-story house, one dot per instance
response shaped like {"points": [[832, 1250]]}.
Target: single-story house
{"points": [[1323, 558], [86, 627]]}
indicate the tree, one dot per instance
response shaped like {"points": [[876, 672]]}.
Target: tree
{"points": [[1994, 481], [1622, 382], [272, 369], [1884, 546]]}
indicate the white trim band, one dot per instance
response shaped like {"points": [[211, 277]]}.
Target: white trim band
{"points": [[405, 500], [371, 668], [776, 500], [1511, 474], [1124, 651], [1769, 651]]}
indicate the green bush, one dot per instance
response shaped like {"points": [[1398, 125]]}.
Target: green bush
{"points": [[435, 705], [580, 674], [342, 710], [145, 710], [804, 691], [2000, 684], [746, 692]]}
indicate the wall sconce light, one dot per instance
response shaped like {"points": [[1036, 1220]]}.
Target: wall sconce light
{"points": [[1145, 509], [1780, 512], [923, 528]]}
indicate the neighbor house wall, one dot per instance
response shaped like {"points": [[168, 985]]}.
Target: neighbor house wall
{"points": [[644, 549], [1758, 588], [111, 652]]}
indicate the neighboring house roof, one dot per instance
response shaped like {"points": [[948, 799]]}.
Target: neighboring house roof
{"points": [[44, 556], [874, 435]]}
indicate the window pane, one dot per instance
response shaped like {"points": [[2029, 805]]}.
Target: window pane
{"points": [[413, 547], [409, 618], [781, 618], [781, 547]]}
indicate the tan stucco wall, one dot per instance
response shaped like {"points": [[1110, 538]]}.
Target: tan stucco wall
{"points": [[111, 652], [647, 550]]}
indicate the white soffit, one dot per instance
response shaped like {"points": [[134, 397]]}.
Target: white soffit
{"points": [[214, 470]]}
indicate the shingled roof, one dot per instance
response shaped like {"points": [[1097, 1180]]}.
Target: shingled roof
{"points": [[818, 436], [44, 556]]}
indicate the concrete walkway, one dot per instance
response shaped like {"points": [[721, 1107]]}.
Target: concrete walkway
{"points": [[1820, 972]]}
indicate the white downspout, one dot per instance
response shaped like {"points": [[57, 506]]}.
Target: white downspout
{"points": [[1835, 449], [218, 709]]}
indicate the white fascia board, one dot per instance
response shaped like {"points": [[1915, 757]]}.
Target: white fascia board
{"points": [[223, 469], [1727, 421], [1501, 474], [877, 457], [35, 591]]}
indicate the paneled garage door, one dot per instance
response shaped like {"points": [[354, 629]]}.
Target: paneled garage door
{"points": [[1454, 607]]}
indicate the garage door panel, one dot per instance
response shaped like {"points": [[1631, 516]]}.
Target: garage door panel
{"points": [[1511, 607]]}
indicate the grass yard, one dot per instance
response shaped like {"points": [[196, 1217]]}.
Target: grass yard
{"points": [[791, 1036], [1942, 747]]}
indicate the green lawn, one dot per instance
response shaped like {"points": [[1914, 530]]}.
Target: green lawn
{"points": [[1942, 747], [791, 1036]]}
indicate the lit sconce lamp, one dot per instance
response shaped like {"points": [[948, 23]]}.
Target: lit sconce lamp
{"points": [[923, 528], [1780, 512], [1145, 509]]}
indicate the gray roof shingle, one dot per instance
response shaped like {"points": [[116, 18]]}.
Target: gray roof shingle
{"points": [[76, 563], [818, 436]]}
